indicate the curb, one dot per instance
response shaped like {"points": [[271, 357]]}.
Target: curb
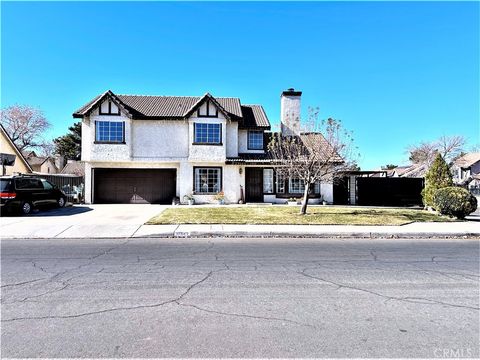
{"points": [[350, 235]]}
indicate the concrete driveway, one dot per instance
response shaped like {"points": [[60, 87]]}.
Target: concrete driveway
{"points": [[81, 221]]}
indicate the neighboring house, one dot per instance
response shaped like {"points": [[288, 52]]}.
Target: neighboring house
{"points": [[42, 164], [466, 170], [139, 149], [410, 171], [12, 159], [74, 167]]}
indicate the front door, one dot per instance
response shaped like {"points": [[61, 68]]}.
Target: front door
{"points": [[253, 184]]}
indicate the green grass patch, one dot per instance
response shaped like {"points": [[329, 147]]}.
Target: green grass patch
{"points": [[289, 215]]}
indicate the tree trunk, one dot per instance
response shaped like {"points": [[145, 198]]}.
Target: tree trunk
{"points": [[303, 210]]}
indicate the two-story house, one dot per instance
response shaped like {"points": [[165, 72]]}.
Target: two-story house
{"points": [[150, 149], [466, 170]]}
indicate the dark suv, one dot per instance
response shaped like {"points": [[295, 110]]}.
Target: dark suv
{"points": [[23, 193]]}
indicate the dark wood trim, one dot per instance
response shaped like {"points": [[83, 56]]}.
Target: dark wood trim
{"points": [[207, 167], [211, 144], [109, 109], [296, 195], [248, 140], [208, 111], [92, 181], [110, 142]]}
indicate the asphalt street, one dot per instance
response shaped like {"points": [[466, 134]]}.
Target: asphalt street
{"points": [[240, 298]]}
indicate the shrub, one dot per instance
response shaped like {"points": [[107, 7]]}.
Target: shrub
{"points": [[454, 201], [437, 177]]}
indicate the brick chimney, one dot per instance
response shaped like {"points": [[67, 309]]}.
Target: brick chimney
{"points": [[290, 112]]}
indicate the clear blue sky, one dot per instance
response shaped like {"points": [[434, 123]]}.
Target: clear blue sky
{"points": [[395, 73]]}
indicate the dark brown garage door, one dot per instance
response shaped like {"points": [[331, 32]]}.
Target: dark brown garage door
{"points": [[134, 186]]}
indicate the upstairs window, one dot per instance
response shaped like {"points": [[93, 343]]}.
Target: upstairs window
{"points": [[110, 131], [255, 140], [207, 133]]}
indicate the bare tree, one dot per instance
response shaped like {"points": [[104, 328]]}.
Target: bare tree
{"points": [[424, 153], [447, 146], [318, 154], [450, 146], [26, 126]]}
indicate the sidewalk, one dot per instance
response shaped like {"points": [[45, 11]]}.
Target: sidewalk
{"points": [[126, 221], [414, 230]]}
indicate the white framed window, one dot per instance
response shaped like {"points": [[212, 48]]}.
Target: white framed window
{"points": [[317, 188], [268, 181], [296, 186], [255, 140], [207, 133], [110, 131], [280, 183], [208, 180]]}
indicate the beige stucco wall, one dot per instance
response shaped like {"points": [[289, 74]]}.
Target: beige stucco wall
{"points": [[48, 167], [7, 148]]}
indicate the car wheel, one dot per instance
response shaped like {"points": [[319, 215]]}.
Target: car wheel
{"points": [[26, 208], [61, 202]]}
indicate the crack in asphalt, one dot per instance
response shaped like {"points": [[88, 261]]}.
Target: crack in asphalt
{"points": [[58, 274], [408, 299], [257, 317], [121, 308], [22, 283]]}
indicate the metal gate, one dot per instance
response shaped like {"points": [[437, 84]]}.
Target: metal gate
{"points": [[374, 191]]}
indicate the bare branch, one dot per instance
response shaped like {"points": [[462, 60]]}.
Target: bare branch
{"points": [[319, 153], [26, 126]]}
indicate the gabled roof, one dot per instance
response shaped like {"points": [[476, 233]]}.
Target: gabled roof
{"points": [[179, 107], [74, 167], [311, 138], [468, 160], [37, 160], [18, 152], [413, 170], [200, 101], [254, 116]]}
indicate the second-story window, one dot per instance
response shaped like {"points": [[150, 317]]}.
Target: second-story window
{"points": [[207, 133], [110, 131], [255, 140]]}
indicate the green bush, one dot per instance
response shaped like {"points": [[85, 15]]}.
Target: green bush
{"points": [[437, 177], [454, 201]]}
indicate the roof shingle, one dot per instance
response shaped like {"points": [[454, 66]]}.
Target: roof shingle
{"points": [[177, 107]]}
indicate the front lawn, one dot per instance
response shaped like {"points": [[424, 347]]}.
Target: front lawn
{"points": [[289, 215]]}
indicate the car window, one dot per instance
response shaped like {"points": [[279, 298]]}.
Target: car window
{"points": [[22, 183], [36, 184], [47, 185], [30, 183], [5, 185]]}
